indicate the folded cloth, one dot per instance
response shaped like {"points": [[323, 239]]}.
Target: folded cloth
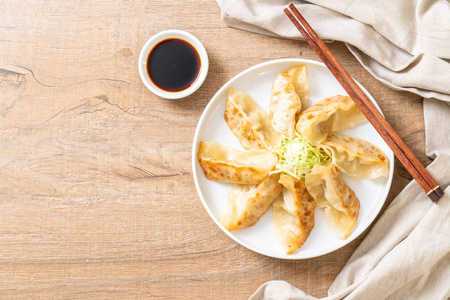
{"points": [[406, 45]]}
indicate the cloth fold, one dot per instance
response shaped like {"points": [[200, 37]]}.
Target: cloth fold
{"points": [[406, 45]]}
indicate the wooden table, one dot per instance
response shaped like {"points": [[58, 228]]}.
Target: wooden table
{"points": [[97, 198]]}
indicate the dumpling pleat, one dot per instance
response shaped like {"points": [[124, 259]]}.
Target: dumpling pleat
{"points": [[248, 121], [293, 214], [356, 157], [340, 204], [225, 164], [247, 203], [327, 116], [289, 96]]}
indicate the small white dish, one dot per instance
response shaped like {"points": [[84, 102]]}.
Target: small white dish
{"points": [[257, 82], [173, 34]]}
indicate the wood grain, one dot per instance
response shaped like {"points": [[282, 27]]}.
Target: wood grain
{"points": [[96, 191]]}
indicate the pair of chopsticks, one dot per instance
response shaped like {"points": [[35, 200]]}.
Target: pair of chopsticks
{"points": [[403, 153]]}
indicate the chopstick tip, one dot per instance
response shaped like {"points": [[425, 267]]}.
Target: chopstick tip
{"points": [[287, 11], [439, 192], [433, 197]]}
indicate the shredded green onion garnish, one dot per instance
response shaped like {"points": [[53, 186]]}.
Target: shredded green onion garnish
{"points": [[297, 157]]}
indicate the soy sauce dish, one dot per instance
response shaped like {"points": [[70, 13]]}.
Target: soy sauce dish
{"points": [[173, 64]]}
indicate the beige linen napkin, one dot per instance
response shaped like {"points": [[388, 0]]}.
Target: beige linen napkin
{"points": [[406, 45]]}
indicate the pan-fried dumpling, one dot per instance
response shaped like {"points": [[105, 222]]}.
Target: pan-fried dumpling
{"points": [[293, 213], [248, 121], [328, 115], [247, 203], [225, 164], [298, 75], [288, 97], [339, 202], [355, 157]]}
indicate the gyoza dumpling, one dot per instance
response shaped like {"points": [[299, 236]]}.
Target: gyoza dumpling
{"points": [[326, 116], [298, 75], [355, 157], [293, 213], [248, 121], [247, 203], [225, 164], [288, 97], [339, 202]]}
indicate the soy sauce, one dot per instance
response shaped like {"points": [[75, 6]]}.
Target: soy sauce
{"points": [[173, 65]]}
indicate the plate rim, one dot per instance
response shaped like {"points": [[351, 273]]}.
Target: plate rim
{"points": [[195, 146]]}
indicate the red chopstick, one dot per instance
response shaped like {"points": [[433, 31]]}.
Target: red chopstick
{"points": [[403, 153]]}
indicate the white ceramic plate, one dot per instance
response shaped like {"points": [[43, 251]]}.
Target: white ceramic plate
{"points": [[257, 82]]}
